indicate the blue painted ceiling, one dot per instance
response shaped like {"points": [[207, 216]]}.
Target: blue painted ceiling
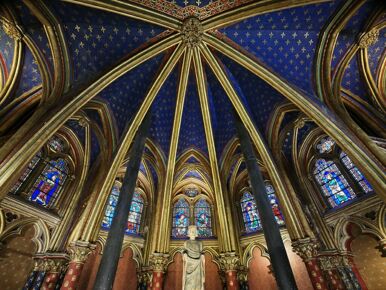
{"points": [[6, 49]]}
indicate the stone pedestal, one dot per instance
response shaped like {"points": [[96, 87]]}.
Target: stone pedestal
{"points": [[229, 265], [158, 263], [79, 251]]}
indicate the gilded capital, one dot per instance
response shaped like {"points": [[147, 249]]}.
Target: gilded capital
{"points": [[369, 38], [11, 29], [158, 262], [307, 248], [79, 251], [229, 261]]}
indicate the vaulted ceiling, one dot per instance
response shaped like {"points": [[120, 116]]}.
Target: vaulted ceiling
{"points": [[281, 36]]}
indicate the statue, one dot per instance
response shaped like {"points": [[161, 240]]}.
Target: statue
{"points": [[194, 263]]}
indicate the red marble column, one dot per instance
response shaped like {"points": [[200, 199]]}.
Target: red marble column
{"points": [[71, 278], [157, 280], [50, 281], [316, 275], [79, 251], [231, 280]]}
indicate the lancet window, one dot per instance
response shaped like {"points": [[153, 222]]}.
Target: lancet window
{"points": [[45, 176], [135, 214], [250, 213], [192, 208], [338, 179]]}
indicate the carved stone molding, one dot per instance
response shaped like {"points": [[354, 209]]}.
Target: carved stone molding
{"points": [[307, 248], [229, 261], [192, 32], [333, 261], [158, 262], [10, 29], [382, 247], [369, 38], [50, 262], [79, 251]]}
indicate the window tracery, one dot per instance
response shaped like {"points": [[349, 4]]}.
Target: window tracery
{"points": [[45, 176], [135, 214], [336, 176], [250, 213], [192, 208]]}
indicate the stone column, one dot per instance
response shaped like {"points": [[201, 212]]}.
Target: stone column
{"points": [[307, 249], [229, 265], [242, 276], [158, 263], [112, 250], [278, 255], [55, 265], [79, 252]]}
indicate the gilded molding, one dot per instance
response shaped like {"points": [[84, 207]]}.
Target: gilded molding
{"points": [[11, 29], [192, 32], [369, 38]]}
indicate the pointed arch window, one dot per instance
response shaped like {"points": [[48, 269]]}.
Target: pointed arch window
{"points": [[202, 218], [332, 183], [337, 177], [49, 184], [181, 215], [135, 214]]}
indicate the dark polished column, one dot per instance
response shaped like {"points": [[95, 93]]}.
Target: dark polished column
{"points": [[279, 260], [112, 249]]}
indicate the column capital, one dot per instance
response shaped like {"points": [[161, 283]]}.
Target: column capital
{"points": [[80, 250], [158, 262], [145, 275], [306, 248], [382, 246], [334, 260], [229, 261]]}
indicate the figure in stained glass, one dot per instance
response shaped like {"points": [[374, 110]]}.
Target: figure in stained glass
{"points": [[49, 183], [249, 211], [325, 145], [356, 173], [203, 218], [181, 215], [110, 208], [274, 204], [334, 185]]}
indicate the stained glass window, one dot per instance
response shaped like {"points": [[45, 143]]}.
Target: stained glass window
{"points": [[325, 145], [355, 172], [47, 187], [202, 218], [31, 166], [181, 214], [274, 204], [110, 207], [56, 144], [249, 211], [333, 184], [135, 214]]}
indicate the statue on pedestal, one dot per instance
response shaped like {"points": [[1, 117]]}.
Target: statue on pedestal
{"points": [[194, 263]]}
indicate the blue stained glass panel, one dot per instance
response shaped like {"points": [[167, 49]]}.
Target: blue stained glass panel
{"points": [[31, 166], [356, 173], [250, 215], [274, 204], [181, 214], [47, 186], [325, 145], [333, 184], [203, 219]]}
